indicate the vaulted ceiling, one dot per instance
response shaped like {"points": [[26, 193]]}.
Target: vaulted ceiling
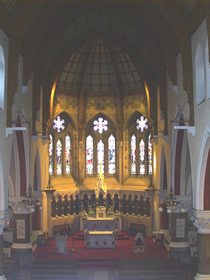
{"points": [[151, 32]]}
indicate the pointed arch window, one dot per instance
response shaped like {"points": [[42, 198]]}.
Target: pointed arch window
{"points": [[89, 155], [100, 157], [59, 157], [51, 155], [142, 157], [100, 146], [67, 154], [149, 155], [141, 150], [111, 154], [133, 154]]}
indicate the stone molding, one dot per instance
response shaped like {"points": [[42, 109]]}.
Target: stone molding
{"points": [[20, 208], [178, 208], [179, 244], [201, 220], [21, 246], [202, 277]]}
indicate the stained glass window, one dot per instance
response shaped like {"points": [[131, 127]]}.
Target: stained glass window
{"points": [[133, 154], [142, 124], [149, 155], [89, 155], [58, 124], [142, 157], [111, 154], [100, 156], [67, 153], [59, 157], [51, 155], [100, 125]]}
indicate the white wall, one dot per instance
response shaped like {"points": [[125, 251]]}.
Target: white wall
{"points": [[4, 141], [200, 143]]}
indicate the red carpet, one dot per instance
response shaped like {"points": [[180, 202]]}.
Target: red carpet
{"points": [[123, 250]]}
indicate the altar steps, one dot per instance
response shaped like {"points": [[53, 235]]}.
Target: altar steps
{"points": [[98, 264], [81, 236], [10, 266], [166, 269], [55, 270]]}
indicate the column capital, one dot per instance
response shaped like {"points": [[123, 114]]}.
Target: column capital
{"points": [[176, 208], [201, 220], [21, 208]]}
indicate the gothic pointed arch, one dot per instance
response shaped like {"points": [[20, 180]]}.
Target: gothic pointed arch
{"points": [[206, 202], [178, 159], [22, 160], [100, 139], [14, 169], [202, 171], [2, 77], [140, 151], [186, 173], [163, 172], [37, 172], [61, 146]]}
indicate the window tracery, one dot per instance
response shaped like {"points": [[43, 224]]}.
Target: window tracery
{"points": [[100, 156], [51, 155], [101, 150], [89, 155], [133, 154], [67, 153], [58, 124], [111, 154], [140, 147], [60, 146], [59, 157], [149, 155], [142, 157]]}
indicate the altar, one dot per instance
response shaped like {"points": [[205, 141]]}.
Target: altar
{"points": [[100, 239], [100, 224], [101, 230]]}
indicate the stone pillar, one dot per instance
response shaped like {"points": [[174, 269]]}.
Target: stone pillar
{"points": [[120, 165], [81, 163], [3, 218], [202, 223], [178, 228], [49, 193], [37, 219]]}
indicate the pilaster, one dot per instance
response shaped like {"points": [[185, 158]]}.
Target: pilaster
{"points": [[202, 223], [4, 217]]}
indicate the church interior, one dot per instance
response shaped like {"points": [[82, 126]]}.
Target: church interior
{"points": [[104, 139]]}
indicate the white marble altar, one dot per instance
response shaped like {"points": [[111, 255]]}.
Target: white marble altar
{"points": [[100, 239], [100, 224], [61, 244]]}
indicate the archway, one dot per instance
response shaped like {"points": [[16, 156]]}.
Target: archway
{"points": [[178, 159], [2, 77], [22, 160], [36, 217], [207, 184]]}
